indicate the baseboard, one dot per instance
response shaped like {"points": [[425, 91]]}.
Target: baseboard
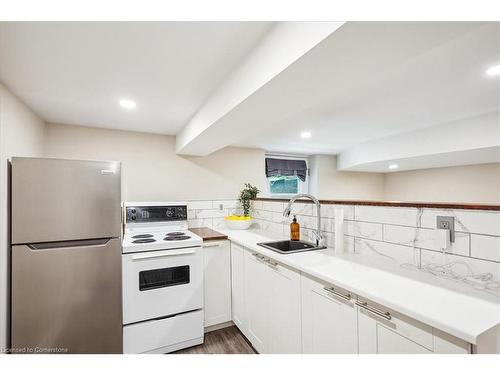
{"points": [[215, 327], [175, 347]]}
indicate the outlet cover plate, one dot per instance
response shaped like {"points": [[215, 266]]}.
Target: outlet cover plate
{"points": [[446, 222]]}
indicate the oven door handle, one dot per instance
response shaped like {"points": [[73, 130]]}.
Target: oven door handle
{"points": [[164, 253]]}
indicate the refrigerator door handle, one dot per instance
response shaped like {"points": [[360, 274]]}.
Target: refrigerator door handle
{"points": [[65, 244]]}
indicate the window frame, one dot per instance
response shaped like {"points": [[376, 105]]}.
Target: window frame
{"points": [[303, 186]]}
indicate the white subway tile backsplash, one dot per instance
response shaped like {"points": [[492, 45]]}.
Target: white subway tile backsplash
{"points": [[396, 253], [226, 204], [463, 265], [280, 229], [376, 230], [485, 247], [307, 222], [273, 206], [327, 211], [386, 215], [425, 238], [366, 230], [480, 222], [326, 224], [278, 217], [199, 205], [198, 223], [256, 205], [218, 222], [307, 235], [202, 214], [302, 209], [261, 214], [348, 242]]}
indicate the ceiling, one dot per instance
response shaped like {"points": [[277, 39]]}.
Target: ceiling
{"points": [[374, 80], [76, 72]]}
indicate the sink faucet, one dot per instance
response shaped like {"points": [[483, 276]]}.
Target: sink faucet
{"points": [[317, 232]]}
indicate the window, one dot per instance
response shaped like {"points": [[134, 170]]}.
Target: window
{"points": [[286, 176]]}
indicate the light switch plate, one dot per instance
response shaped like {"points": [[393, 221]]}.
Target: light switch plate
{"points": [[446, 222]]}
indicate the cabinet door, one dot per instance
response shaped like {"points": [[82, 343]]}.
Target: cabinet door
{"points": [[390, 342], [285, 312], [217, 282], [392, 333], [238, 308], [257, 294], [329, 322]]}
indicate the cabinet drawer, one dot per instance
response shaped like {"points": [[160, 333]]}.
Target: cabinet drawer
{"points": [[163, 333], [403, 325]]}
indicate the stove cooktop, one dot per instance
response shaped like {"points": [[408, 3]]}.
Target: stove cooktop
{"points": [[159, 240]]}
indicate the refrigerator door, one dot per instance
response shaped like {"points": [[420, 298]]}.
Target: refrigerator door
{"points": [[67, 297], [56, 200]]}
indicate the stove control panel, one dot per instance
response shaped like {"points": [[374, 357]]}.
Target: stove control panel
{"points": [[152, 214]]}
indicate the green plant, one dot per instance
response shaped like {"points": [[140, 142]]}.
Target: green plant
{"points": [[246, 195]]}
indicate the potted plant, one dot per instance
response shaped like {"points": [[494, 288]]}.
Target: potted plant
{"points": [[243, 222]]}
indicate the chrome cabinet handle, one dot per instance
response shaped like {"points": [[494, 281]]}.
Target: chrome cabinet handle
{"points": [[259, 256], [374, 310], [265, 259], [332, 290], [271, 263]]}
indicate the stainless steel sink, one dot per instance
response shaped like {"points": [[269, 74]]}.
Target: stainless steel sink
{"points": [[289, 247]]}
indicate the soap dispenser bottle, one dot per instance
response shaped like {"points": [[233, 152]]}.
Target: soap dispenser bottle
{"points": [[294, 230]]}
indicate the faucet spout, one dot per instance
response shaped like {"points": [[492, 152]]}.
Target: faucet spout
{"points": [[288, 210]]}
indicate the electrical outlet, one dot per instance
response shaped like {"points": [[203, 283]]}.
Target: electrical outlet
{"points": [[446, 222]]}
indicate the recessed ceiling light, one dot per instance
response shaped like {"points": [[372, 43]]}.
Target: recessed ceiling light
{"points": [[305, 135], [494, 70], [127, 104], [393, 166]]}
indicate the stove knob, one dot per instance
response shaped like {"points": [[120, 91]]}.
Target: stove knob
{"points": [[133, 217], [169, 212], [133, 210]]}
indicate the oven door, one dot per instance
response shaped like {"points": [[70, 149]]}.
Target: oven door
{"points": [[161, 283]]}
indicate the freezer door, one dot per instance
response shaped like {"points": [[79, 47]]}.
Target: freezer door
{"points": [[67, 298], [56, 200]]}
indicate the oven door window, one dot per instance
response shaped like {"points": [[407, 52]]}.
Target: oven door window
{"points": [[163, 277]]}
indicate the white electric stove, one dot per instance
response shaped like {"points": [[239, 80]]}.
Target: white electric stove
{"points": [[162, 268]]}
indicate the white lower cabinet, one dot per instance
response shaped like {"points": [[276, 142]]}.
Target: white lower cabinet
{"points": [[217, 282], [329, 319], [269, 313], [383, 331], [238, 299], [285, 333], [280, 310], [257, 301]]}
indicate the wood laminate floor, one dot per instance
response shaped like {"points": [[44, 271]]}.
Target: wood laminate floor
{"points": [[223, 341]]}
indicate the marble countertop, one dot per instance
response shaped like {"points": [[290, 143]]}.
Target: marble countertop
{"points": [[453, 307]]}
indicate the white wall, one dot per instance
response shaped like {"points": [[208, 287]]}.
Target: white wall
{"points": [[152, 170], [326, 182], [466, 184], [21, 134]]}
